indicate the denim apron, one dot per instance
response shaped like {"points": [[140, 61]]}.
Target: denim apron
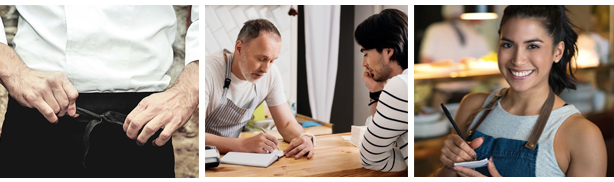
{"points": [[228, 119], [512, 158]]}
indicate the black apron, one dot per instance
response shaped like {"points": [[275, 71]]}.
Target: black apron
{"points": [[30, 146]]}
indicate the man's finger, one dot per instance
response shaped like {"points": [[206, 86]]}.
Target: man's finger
{"points": [[45, 110], [310, 155], [166, 133], [267, 148], [61, 98], [137, 123], [296, 150], [262, 151], [150, 129], [72, 110], [290, 147], [132, 115], [301, 154], [71, 94], [268, 142], [49, 98]]}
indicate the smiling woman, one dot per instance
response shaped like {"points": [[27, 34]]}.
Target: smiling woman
{"points": [[530, 131]]}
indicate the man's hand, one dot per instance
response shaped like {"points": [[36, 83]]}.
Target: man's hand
{"points": [[374, 86], [299, 147], [262, 143], [169, 110], [49, 92]]}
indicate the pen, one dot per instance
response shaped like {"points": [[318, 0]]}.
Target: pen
{"points": [[445, 110], [265, 132]]}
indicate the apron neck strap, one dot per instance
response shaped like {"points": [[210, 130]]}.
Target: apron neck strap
{"points": [[489, 107], [541, 122], [229, 58], [227, 73]]}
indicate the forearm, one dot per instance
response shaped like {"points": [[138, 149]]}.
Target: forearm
{"points": [[10, 64], [223, 144], [290, 130], [286, 124], [187, 83]]}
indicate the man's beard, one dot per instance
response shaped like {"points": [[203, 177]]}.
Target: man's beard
{"points": [[383, 72], [247, 75]]}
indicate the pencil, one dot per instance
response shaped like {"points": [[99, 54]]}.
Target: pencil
{"points": [[265, 132]]}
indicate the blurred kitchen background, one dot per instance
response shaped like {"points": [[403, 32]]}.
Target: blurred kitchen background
{"points": [[456, 54], [185, 140]]}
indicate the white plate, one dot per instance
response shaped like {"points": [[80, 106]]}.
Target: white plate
{"points": [[427, 130], [432, 115]]}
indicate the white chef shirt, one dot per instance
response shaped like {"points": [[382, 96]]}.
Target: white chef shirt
{"points": [[104, 48]]}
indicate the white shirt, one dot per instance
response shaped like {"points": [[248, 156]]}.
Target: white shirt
{"points": [[240, 91], [103, 48], [442, 42], [385, 143]]}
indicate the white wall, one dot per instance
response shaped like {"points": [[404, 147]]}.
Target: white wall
{"points": [[361, 97], [223, 23]]}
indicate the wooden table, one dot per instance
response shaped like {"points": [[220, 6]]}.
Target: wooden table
{"points": [[426, 156], [333, 157]]}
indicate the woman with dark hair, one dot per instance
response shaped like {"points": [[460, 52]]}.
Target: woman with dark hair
{"points": [[527, 130]]}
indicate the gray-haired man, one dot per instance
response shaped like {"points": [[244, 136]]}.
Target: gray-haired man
{"points": [[236, 83]]}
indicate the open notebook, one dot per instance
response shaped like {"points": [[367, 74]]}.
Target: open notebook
{"points": [[252, 159]]}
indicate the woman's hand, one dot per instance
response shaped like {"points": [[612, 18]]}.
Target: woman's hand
{"points": [[455, 150], [467, 172]]}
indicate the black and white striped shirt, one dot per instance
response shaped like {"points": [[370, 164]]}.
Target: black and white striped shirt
{"points": [[384, 146]]}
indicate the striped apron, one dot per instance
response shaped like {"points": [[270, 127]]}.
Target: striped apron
{"points": [[228, 119]]}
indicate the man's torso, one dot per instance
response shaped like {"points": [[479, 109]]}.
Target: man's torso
{"points": [[100, 48]]}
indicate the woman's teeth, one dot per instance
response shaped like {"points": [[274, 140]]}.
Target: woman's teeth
{"points": [[522, 73]]}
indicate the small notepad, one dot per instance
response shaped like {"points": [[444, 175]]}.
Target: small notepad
{"points": [[473, 164], [252, 159]]}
